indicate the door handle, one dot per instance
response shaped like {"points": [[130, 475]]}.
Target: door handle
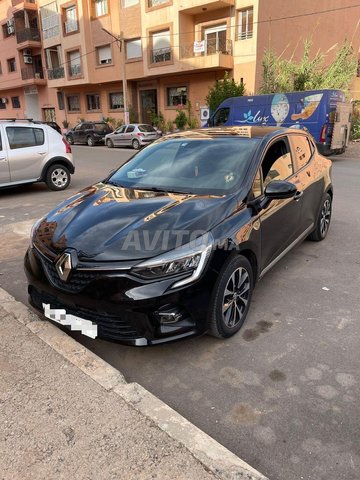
{"points": [[298, 195], [3, 159]]}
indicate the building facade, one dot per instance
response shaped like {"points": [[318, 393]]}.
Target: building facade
{"points": [[57, 62]]}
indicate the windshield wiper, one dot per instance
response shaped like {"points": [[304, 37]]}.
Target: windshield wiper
{"points": [[164, 189]]}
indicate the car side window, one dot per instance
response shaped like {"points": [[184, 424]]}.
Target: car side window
{"points": [[130, 129], [21, 137], [220, 117], [277, 163], [121, 129], [257, 190], [302, 150], [78, 127]]}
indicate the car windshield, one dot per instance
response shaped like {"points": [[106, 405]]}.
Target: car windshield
{"points": [[146, 128], [204, 166], [102, 127]]}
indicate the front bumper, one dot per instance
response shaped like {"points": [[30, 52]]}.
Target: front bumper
{"points": [[125, 309]]}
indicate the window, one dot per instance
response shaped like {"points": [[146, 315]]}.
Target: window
{"points": [[215, 39], [74, 63], [302, 150], [70, 19], [220, 117], [116, 100], [245, 23], [100, 8], [104, 55], [73, 103], [277, 164], [2, 104], [11, 64], [130, 129], [161, 51], [133, 49], [49, 20], [129, 3], [93, 101], [15, 102], [21, 137], [156, 3], [60, 99], [176, 96], [257, 187]]}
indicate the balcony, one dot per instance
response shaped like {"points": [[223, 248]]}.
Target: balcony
{"points": [[19, 5], [28, 37], [56, 73], [215, 55], [160, 55], [33, 76], [193, 7], [74, 71]]}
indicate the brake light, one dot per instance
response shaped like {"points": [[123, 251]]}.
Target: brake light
{"points": [[140, 134], [67, 145], [323, 133]]}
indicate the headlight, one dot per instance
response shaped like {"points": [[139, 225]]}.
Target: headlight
{"points": [[190, 258]]}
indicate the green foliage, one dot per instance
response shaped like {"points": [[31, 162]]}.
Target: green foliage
{"points": [[181, 119], [157, 120], [282, 75], [223, 89], [169, 126], [191, 119], [133, 116], [355, 123], [65, 124]]}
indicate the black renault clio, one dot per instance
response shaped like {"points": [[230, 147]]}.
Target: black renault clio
{"points": [[173, 242]]}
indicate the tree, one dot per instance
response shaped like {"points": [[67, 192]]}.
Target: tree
{"points": [[222, 90], [282, 75]]}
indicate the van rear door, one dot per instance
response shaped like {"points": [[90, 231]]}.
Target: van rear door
{"points": [[341, 132]]}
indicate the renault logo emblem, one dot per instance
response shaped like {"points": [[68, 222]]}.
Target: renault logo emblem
{"points": [[63, 266]]}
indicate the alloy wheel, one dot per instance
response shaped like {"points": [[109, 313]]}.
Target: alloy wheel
{"points": [[59, 177], [236, 297], [325, 217]]}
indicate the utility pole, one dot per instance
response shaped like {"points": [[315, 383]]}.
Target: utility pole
{"points": [[120, 41]]}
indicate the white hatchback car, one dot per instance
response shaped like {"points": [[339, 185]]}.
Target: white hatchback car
{"points": [[34, 152]]}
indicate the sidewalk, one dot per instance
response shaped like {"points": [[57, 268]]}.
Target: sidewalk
{"points": [[69, 415]]}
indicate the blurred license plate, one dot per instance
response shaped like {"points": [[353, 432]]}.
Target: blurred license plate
{"points": [[59, 315]]}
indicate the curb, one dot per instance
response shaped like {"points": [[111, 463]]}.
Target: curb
{"points": [[215, 457]]}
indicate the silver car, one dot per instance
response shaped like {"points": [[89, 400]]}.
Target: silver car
{"points": [[135, 135]]}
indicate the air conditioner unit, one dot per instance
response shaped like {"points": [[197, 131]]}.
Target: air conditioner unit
{"points": [[28, 59], [10, 29], [4, 100], [10, 23], [27, 52]]}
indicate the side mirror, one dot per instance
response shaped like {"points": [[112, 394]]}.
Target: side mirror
{"points": [[279, 189]]}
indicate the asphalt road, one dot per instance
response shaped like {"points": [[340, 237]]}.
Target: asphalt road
{"points": [[283, 394]]}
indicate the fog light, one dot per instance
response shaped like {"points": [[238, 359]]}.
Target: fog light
{"points": [[169, 314]]}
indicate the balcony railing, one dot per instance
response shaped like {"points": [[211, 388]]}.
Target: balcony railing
{"points": [[210, 47], [71, 26], [28, 34], [160, 55], [29, 73], [245, 35], [74, 70], [156, 3], [55, 73]]}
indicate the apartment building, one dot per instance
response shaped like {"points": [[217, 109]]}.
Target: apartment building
{"points": [[57, 62]]}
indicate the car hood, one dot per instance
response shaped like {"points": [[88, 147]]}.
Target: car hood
{"points": [[108, 223]]}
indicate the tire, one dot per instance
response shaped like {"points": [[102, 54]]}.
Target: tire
{"points": [[109, 143], [90, 141], [70, 139], [323, 221], [237, 278], [57, 177], [136, 144]]}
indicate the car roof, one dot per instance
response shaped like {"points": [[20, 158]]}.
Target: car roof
{"points": [[244, 131]]}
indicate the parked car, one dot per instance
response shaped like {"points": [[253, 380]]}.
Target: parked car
{"points": [[135, 135], [88, 133], [173, 242], [54, 125], [34, 152]]}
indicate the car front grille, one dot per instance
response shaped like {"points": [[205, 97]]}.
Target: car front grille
{"points": [[75, 284], [111, 326]]}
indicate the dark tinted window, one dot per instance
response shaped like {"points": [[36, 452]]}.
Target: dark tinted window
{"points": [[301, 149], [21, 137], [277, 163], [130, 129], [210, 166], [146, 128], [220, 117], [101, 127]]}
